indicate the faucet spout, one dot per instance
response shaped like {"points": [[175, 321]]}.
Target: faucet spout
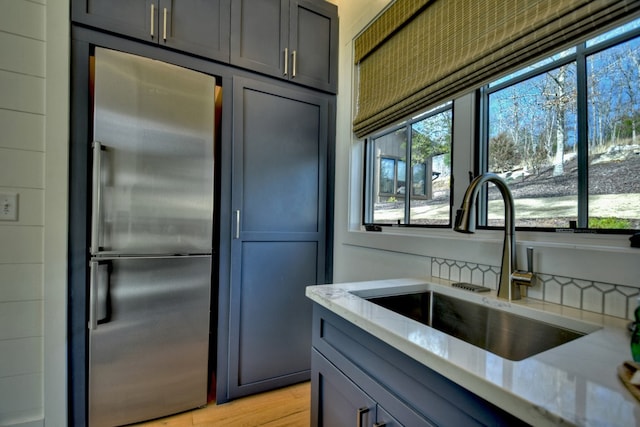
{"points": [[466, 223]]}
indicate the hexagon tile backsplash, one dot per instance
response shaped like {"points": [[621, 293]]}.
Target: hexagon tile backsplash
{"points": [[605, 298]]}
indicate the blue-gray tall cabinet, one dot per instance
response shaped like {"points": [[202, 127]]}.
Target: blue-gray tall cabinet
{"points": [[280, 185], [275, 62]]}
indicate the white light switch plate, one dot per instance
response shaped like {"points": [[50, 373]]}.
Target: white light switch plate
{"points": [[8, 207]]}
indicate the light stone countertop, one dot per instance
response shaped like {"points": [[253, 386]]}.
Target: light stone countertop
{"points": [[572, 384]]}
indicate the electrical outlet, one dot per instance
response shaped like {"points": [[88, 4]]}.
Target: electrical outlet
{"points": [[8, 207]]}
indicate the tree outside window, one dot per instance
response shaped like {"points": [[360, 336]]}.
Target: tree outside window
{"points": [[569, 152]]}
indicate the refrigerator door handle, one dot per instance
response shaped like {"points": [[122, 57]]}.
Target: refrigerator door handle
{"points": [[99, 293], [93, 283], [96, 198]]}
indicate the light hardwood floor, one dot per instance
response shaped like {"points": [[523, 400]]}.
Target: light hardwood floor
{"points": [[289, 406]]}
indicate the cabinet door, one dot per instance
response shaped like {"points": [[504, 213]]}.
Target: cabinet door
{"points": [[335, 400], [259, 30], [313, 44], [128, 17], [196, 26], [279, 232], [294, 40]]}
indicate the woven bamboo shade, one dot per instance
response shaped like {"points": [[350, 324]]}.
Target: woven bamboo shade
{"points": [[419, 53]]}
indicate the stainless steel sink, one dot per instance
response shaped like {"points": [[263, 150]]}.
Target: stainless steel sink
{"points": [[506, 334]]}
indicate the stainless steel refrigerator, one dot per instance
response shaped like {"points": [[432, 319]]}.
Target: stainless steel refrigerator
{"points": [[151, 239]]}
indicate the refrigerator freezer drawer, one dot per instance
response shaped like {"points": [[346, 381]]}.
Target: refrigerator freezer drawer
{"points": [[149, 342]]}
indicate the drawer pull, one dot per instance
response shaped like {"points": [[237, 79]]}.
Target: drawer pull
{"points": [[361, 412]]}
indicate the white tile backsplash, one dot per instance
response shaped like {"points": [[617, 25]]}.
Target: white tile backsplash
{"points": [[615, 304], [605, 298], [593, 299], [552, 289]]}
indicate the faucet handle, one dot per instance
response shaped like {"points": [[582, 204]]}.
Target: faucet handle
{"points": [[524, 278]]}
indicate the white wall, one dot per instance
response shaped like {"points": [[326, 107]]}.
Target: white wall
{"points": [[56, 212], [400, 252], [33, 124], [22, 120]]}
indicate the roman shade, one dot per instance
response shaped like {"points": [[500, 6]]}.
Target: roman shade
{"points": [[419, 53]]}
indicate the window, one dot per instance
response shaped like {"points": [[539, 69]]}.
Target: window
{"points": [[565, 135], [415, 195], [388, 176]]}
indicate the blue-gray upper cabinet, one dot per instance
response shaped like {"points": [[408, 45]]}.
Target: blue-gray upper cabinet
{"points": [[296, 40], [200, 27]]}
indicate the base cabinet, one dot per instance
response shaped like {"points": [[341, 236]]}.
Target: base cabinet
{"points": [[358, 380], [337, 401]]}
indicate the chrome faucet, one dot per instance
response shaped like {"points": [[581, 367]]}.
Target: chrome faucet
{"points": [[510, 278]]}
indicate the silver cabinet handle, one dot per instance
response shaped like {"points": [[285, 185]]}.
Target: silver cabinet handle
{"points": [[382, 424], [153, 7], [286, 61], [164, 25], [293, 68], [93, 294], [361, 412], [237, 235], [97, 198]]}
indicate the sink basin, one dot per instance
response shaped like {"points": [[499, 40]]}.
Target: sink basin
{"points": [[508, 335]]}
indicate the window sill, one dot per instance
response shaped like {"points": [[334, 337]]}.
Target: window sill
{"points": [[603, 258]]}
